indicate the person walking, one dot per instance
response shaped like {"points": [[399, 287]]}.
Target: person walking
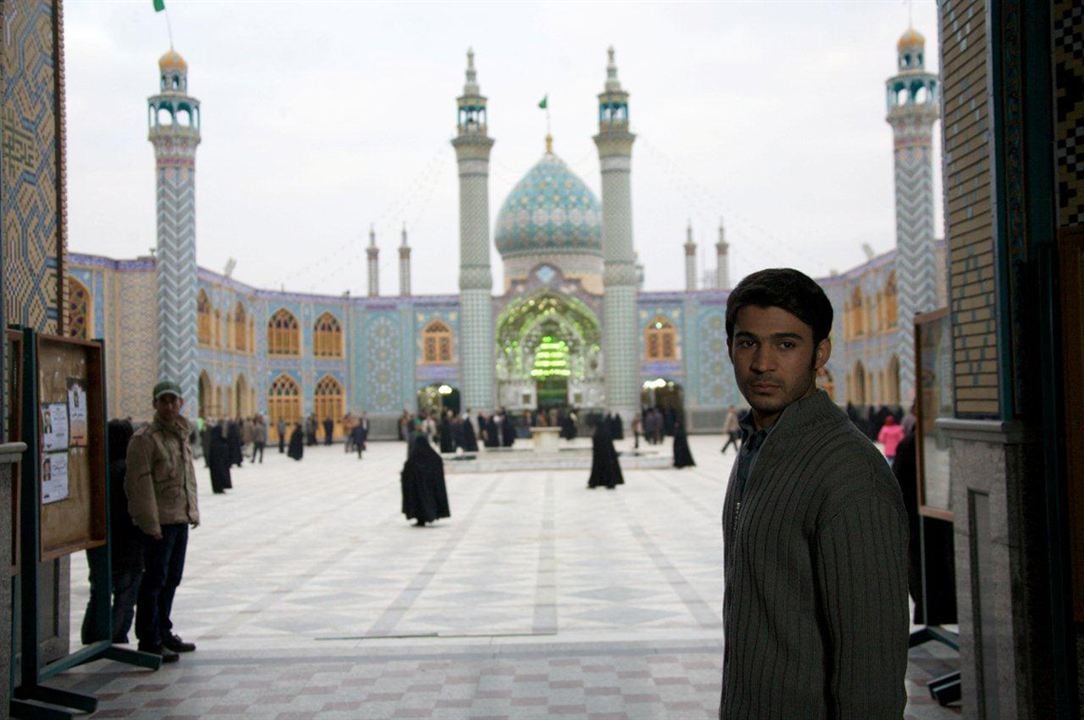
{"points": [[425, 496], [329, 430], [605, 467], [220, 461], [280, 428], [731, 429], [259, 438], [815, 533], [160, 482], [297, 443], [359, 434], [683, 457], [890, 436]]}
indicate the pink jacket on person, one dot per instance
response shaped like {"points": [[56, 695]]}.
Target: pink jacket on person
{"points": [[890, 437]]}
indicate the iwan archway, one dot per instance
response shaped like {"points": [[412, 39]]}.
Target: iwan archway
{"points": [[549, 353]]}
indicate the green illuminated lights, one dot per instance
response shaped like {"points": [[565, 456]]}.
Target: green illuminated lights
{"points": [[551, 359]]}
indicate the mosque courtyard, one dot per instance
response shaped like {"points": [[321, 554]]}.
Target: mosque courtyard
{"points": [[310, 596]]}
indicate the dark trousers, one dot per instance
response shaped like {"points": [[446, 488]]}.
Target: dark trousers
{"points": [[282, 442], [732, 440], [164, 560], [257, 447]]}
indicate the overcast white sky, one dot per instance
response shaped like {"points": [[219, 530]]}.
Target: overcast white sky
{"points": [[322, 117]]}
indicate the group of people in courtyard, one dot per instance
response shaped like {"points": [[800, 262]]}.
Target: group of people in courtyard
{"points": [[815, 528]]}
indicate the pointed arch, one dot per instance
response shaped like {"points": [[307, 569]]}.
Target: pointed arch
{"points": [[204, 319], [660, 339], [284, 401], [891, 307], [79, 310], [240, 397], [892, 381], [327, 337], [436, 343], [206, 395], [858, 384], [216, 322], [240, 328], [283, 334], [858, 313], [327, 401]]}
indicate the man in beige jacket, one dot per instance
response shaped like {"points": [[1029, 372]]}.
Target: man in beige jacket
{"points": [[161, 488]]}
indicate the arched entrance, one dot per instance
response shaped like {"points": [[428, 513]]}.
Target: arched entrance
{"points": [[666, 396], [438, 398], [240, 397], [892, 382], [550, 353]]}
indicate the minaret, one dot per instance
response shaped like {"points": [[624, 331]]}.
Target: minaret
{"points": [[174, 131], [374, 263], [913, 107], [690, 259], [620, 333], [722, 261], [472, 146], [404, 266]]}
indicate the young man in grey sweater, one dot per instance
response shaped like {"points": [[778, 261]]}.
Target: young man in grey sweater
{"points": [[814, 528]]}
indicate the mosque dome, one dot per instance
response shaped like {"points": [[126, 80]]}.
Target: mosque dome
{"points": [[549, 210], [911, 38], [172, 60]]}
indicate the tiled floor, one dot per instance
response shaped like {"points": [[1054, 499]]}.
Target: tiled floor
{"points": [[310, 596]]}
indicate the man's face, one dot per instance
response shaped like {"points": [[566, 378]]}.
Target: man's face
{"points": [[168, 407], [775, 360]]}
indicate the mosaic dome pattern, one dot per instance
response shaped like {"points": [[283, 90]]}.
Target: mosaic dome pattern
{"points": [[550, 209]]}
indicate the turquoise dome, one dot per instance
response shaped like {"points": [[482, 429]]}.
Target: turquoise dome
{"points": [[549, 210]]}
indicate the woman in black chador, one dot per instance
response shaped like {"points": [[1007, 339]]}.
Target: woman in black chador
{"points": [[447, 441], [470, 441], [682, 456], [219, 461], [605, 469], [233, 439], [425, 497], [297, 443]]}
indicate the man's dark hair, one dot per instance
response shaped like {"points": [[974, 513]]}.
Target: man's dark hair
{"points": [[787, 289]]}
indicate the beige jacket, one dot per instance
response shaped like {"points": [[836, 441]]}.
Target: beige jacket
{"points": [[161, 479]]}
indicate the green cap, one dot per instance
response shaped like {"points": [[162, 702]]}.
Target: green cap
{"points": [[167, 387]]}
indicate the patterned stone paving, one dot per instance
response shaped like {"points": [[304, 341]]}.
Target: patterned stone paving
{"points": [[310, 596]]}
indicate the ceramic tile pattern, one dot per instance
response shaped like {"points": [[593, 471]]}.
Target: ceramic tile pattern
{"points": [[310, 596]]}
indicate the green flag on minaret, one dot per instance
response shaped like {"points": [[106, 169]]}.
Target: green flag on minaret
{"points": [[159, 5], [543, 103]]}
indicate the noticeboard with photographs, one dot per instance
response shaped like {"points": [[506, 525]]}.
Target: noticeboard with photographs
{"points": [[71, 457], [933, 400]]}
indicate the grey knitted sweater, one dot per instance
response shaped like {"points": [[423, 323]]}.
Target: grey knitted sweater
{"points": [[815, 567]]}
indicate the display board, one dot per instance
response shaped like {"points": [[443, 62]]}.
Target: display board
{"points": [[13, 409], [933, 400], [71, 457]]}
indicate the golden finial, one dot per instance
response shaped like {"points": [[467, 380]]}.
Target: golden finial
{"points": [[549, 144]]}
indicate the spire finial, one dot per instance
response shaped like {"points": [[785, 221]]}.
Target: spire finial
{"points": [[471, 86], [404, 234], [549, 144], [612, 83], [372, 235]]}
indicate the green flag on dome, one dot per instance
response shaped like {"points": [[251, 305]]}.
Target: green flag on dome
{"points": [[159, 5], [543, 103]]}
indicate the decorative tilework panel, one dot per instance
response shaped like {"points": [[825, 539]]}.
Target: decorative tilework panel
{"points": [[32, 211], [1069, 78], [382, 360]]}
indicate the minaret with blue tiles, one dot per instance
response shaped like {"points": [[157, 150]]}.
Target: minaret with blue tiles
{"points": [[620, 332], [913, 107], [472, 145], [174, 119]]}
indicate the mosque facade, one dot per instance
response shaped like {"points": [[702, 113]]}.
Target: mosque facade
{"points": [[570, 325]]}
